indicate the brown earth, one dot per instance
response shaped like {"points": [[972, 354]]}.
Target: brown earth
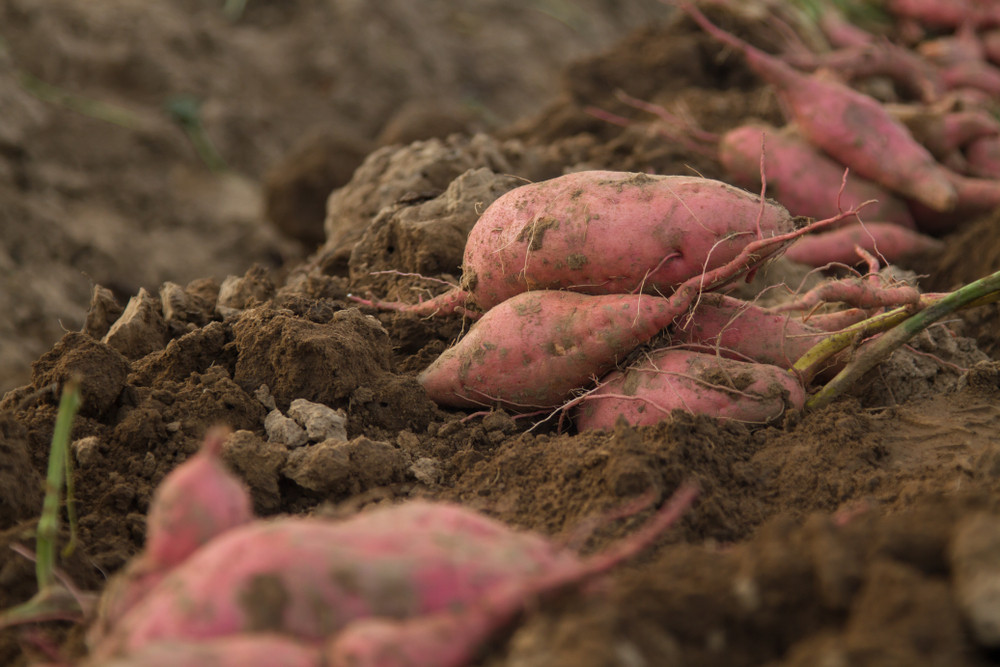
{"points": [[866, 533]]}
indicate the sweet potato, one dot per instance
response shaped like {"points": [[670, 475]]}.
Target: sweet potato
{"points": [[974, 74], [840, 32], [452, 638], [699, 383], [943, 133], [905, 68], [604, 232], [991, 45], [310, 579], [743, 331], [983, 157], [963, 45], [534, 349], [803, 179], [859, 292], [249, 650], [890, 242], [977, 196], [848, 125], [196, 502], [948, 13]]}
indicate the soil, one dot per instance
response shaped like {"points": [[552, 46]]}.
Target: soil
{"points": [[864, 533]]}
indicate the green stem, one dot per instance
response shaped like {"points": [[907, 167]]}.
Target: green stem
{"points": [[48, 524], [809, 363], [976, 292]]}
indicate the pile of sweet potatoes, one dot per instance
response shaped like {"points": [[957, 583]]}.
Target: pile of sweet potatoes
{"points": [[571, 279], [417, 583], [578, 273], [930, 161]]}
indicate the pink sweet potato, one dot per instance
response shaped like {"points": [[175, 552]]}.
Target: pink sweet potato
{"points": [[943, 133], [889, 242], [310, 579], [877, 58], [963, 45], [604, 232], [534, 349], [848, 125], [743, 331], [694, 382], [196, 502], [452, 638], [974, 74], [948, 13], [991, 45], [983, 157], [250, 650], [803, 179]]}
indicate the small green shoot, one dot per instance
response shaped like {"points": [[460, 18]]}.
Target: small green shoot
{"points": [[900, 326], [54, 600], [186, 112]]}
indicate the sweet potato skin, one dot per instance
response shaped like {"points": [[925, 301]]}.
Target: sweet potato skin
{"points": [[672, 379], [534, 349], [744, 331], [605, 232], [251, 650], [848, 125], [198, 500], [803, 179], [890, 242], [309, 578]]}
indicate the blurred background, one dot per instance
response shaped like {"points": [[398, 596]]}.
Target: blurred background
{"points": [[144, 142]]}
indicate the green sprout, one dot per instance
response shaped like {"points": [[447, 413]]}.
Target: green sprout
{"points": [[186, 112], [900, 326], [55, 599]]}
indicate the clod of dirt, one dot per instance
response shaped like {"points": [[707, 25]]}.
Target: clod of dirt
{"points": [[191, 353], [320, 421], [259, 464], [417, 172], [419, 119], [240, 292], [975, 562], [284, 430], [104, 311], [184, 309], [932, 363], [295, 358], [102, 371], [428, 237], [141, 328], [175, 415], [336, 467]]}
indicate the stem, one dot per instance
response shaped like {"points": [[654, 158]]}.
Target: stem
{"points": [[48, 523], [820, 353], [186, 112], [975, 293]]}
